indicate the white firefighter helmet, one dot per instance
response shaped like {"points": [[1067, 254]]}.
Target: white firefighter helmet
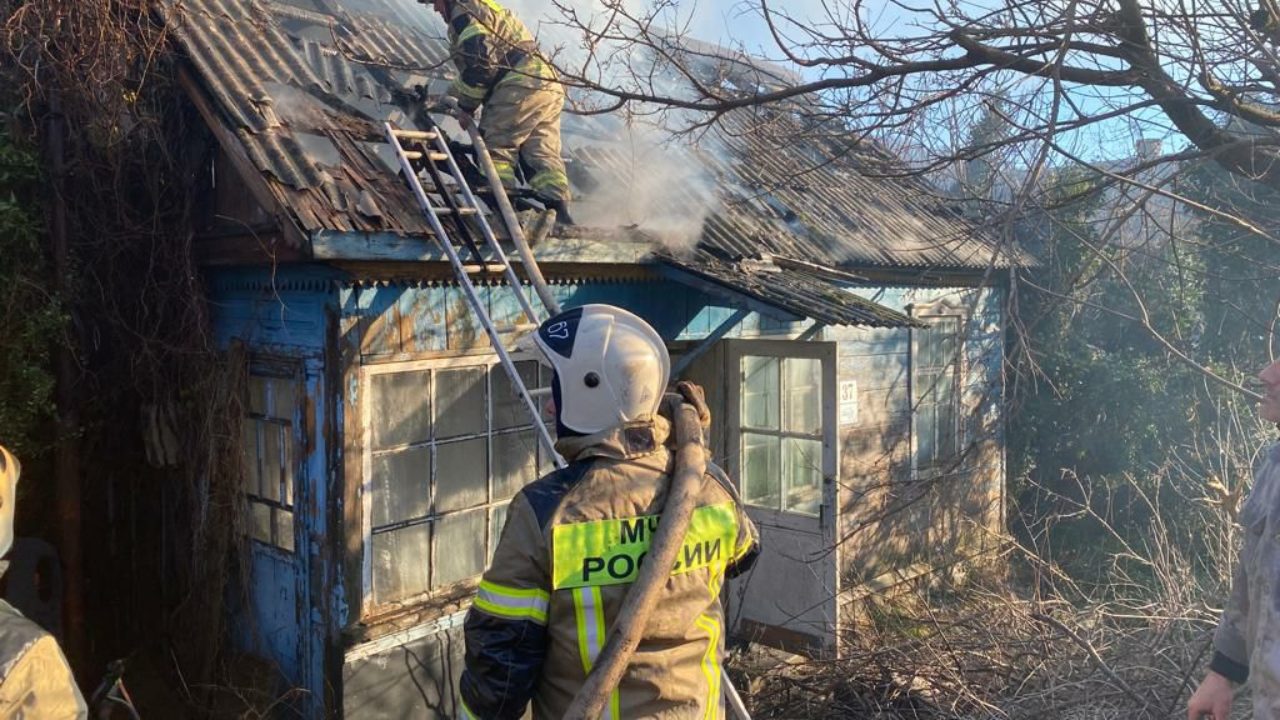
{"points": [[612, 366], [10, 469]]}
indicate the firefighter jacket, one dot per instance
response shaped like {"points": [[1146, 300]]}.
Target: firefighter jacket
{"points": [[1247, 641], [570, 549], [490, 46], [35, 680]]}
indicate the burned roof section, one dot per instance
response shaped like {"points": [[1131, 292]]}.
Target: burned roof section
{"points": [[299, 89]]}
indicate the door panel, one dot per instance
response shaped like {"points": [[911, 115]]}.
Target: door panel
{"points": [[275, 623], [781, 449]]}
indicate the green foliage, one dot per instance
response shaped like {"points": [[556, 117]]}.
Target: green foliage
{"points": [[1100, 405], [30, 317]]}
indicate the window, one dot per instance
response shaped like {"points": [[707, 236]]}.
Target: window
{"points": [[268, 446], [937, 382], [448, 443], [781, 426]]}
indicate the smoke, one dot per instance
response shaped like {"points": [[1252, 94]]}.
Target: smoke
{"points": [[661, 188], [645, 172], [642, 171]]}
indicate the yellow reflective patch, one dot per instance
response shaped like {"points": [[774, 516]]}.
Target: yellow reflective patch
{"points": [[609, 552]]}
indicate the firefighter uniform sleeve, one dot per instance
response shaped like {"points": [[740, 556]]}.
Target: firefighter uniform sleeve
{"points": [[39, 686], [747, 548], [506, 628], [476, 53]]}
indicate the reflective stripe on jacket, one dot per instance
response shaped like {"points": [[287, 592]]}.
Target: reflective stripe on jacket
{"points": [[570, 550], [490, 45], [1247, 641]]}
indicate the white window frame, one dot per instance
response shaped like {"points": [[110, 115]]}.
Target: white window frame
{"points": [[930, 314], [369, 607]]}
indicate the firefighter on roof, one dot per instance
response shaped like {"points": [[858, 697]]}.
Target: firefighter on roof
{"points": [[499, 67], [574, 541]]}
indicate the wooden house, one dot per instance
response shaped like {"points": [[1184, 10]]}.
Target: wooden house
{"points": [[847, 327]]}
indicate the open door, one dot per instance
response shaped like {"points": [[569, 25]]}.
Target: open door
{"points": [[781, 447]]}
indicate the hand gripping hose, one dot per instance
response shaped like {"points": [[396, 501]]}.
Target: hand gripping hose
{"points": [[633, 616]]}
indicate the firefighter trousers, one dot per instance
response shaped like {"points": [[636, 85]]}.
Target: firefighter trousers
{"points": [[522, 121]]}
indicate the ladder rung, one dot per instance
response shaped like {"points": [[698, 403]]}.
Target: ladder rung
{"points": [[415, 134], [486, 268], [449, 211], [415, 155], [539, 392], [525, 327]]}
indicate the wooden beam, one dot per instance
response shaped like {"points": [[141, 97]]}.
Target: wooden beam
{"points": [[245, 249]]}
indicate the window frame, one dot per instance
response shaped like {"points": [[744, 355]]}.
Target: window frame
{"points": [[286, 371], [371, 609], [781, 434], [931, 314]]}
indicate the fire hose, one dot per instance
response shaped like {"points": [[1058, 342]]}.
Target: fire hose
{"points": [[687, 478], [628, 629]]}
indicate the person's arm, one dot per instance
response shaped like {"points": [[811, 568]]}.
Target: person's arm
{"points": [[747, 549], [39, 686], [476, 54], [1229, 665], [506, 628]]}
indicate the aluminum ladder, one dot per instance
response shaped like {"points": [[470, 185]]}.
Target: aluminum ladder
{"points": [[430, 147], [426, 148]]}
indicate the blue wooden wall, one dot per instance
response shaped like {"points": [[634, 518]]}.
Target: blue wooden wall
{"points": [[401, 319], [893, 515], [286, 312], [281, 612]]}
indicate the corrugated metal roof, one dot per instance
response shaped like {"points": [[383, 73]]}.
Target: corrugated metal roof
{"points": [[305, 90], [301, 90], [780, 190], [792, 290]]}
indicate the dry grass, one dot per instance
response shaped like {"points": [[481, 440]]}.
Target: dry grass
{"points": [[1120, 629]]}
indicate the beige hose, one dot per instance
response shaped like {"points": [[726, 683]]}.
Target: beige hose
{"points": [[633, 616]]}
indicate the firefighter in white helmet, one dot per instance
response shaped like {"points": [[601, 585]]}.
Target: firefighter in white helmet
{"points": [[35, 680], [575, 538]]}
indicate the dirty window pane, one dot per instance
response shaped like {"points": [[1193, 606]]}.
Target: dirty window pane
{"points": [[260, 521], [271, 461], [497, 521], [926, 434], [400, 410], [508, 408], [802, 474], [252, 455], [401, 485], [460, 402], [946, 413], [401, 563], [284, 399], [514, 462], [257, 395], [460, 551], [761, 470], [760, 392], [286, 452], [802, 404], [462, 474], [284, 529]]}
